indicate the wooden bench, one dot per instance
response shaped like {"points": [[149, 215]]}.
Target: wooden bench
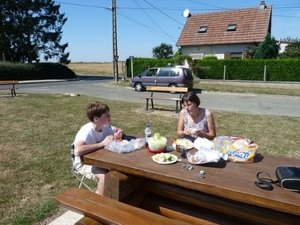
{"points": [[98, 209], [12, 88], [172, 90]]}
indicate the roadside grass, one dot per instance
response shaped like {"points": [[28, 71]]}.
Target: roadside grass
{"points": [[37, 130], [251, 88], [238, 87]]}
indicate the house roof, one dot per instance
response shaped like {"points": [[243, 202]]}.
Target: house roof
{"points": [[252, 25]]}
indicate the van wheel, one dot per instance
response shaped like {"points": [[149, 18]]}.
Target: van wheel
{"points": [[138, 87], [174, 86]]}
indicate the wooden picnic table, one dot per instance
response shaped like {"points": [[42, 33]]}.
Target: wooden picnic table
{"points": [[226, 193]]}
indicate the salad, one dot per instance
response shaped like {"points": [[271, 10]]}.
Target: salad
{"points": [[157, 142], [164, 157]]}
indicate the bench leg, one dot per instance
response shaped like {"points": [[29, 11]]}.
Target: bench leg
{"points": [[13, 92], [87, 221], [152, 104], [176, 107], [147, 104]]}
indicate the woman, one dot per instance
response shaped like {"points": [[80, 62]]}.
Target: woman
{"points": [[195, 121]]}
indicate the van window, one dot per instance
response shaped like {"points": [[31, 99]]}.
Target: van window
{"points": [[187, 73], [151, 72], [174, 73], [163, 72]]}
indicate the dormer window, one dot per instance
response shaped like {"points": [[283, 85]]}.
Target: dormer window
{"points": [[231, 27], [202, 29]]}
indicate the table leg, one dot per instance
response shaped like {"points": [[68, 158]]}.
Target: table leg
{"points": [[117, 185]]}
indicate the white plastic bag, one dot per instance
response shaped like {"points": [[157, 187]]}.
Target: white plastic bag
{"points": [[200, 143], [125, 146], [205, 156]]}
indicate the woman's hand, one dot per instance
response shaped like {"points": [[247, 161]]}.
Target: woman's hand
{"points": [[188, 131], [198, 133]]}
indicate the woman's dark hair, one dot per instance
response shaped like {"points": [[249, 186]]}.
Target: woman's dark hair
{"points": [[191, 97]]}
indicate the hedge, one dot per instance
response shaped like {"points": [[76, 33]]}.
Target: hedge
{"points": [[40, 71], [234, 69]]}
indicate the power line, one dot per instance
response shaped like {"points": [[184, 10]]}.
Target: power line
{"points": [[159, 9], [287, 16], [141, 24], [156, 23], [163, 13], [208, 5], [81, 5]]}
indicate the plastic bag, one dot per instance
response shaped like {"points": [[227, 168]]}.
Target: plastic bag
{"points": [[238, 149], [203, 143], [125, 146], [205, 155]]}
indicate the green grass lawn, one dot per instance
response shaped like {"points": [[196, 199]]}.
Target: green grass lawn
{"points": [[37, 130]]}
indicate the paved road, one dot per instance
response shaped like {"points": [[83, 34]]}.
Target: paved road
{"points": [[244, 103]]}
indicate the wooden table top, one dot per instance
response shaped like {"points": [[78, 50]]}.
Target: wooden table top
{"points": [[234, 181]]}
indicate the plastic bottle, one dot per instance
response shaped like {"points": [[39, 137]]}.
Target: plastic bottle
{"points": [[147, 133]]}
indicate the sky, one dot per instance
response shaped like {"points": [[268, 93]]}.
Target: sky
{"points": [[144, 24]]}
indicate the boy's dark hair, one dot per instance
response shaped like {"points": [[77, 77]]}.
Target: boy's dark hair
{"points": [[191, 97], [96, 109]]}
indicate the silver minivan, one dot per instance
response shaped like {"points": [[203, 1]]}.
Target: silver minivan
{"points": [[163, 76]]}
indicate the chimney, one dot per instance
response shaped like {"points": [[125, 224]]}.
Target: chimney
{"points": [[262, 5]]}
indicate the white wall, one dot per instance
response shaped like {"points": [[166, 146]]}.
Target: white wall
{"points": [[217, 50]]}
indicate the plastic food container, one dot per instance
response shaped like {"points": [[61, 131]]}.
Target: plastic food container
{"points": [[157, 144]]}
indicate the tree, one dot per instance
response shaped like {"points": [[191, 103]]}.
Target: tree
{"points": [[268, 49], [30, 28], [163, 51], [290, 39], [177, 53], [291, 51], [180, 60], [251, 50]]}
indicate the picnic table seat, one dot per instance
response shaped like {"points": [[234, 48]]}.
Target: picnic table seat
{"points": [[103, 210]]}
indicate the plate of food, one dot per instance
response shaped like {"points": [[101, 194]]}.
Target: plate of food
{"points": [[185, 142], [165, 158]]}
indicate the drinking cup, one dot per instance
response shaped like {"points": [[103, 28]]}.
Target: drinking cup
{"points": [[183, 151]]}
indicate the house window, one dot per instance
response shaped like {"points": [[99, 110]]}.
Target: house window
{"points": [[236, 55], [196, 56], [231, 27], [202, 29]]}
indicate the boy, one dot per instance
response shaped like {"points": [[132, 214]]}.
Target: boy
{"points": [[94, 136]]}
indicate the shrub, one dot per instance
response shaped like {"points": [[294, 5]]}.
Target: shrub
{"points": [[22, 71]]}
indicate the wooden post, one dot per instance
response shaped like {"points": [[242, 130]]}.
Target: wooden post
{"points": [[117, 185]]}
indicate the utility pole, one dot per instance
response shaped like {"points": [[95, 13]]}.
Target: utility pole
{"points": [[114, 36]]}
